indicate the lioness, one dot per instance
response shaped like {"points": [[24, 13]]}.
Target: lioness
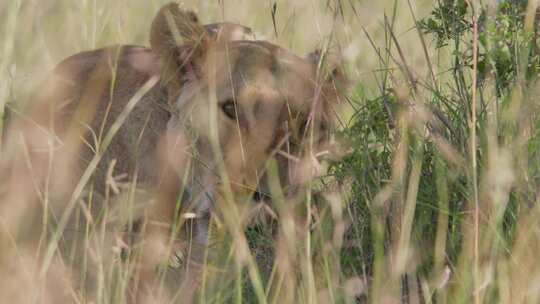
{"points": [[198, 116]]}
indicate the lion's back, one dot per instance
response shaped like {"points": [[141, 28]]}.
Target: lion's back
{"points": [[88, 91]]}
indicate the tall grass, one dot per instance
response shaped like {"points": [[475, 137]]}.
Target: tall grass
{"points": [[435, 201]]}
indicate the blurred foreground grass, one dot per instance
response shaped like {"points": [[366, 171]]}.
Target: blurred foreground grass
{"points": [[441, 179]]}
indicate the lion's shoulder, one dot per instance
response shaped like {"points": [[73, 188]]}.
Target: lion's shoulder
{"points": [[129, 60]]}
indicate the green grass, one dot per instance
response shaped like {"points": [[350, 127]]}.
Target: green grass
{"points": [[435, 201]]}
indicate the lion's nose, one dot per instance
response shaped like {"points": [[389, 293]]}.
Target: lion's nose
{"points": [[260, 196]]}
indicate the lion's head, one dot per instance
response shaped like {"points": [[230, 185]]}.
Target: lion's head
{"points": [[240, 103]]}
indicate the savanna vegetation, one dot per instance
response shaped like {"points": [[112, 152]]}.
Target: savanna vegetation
{"points": [[431, 194]]}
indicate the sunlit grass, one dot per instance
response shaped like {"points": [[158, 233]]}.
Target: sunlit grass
{"points": [[434, 202]]}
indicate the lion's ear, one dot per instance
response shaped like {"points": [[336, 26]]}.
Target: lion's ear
{"points": [[181, 44], [329, 74]]}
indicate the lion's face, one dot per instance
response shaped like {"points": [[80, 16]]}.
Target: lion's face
{"points": [[260, 93], [242, 102]]}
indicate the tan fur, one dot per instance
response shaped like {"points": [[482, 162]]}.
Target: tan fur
{"points": [[180, 129]]}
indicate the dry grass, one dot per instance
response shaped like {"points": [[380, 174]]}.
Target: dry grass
{"points": [[436, 200]]}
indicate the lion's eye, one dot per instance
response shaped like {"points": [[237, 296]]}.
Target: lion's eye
{"points": [[302, 128], [229, 109]]}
